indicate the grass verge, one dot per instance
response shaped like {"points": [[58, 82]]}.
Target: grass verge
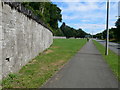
{"points": [[41, 68], [112, 59]]}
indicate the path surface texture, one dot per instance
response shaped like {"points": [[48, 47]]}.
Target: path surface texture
{"points": [[87, 69]]}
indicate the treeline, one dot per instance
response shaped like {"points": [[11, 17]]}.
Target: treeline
{"points": [[71, 32], [50, 14], [114, 33]]}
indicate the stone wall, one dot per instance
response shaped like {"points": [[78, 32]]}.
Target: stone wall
{"points": [[0, 41], [21, 38]]}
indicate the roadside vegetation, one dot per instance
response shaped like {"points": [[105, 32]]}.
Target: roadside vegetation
{"points": [[44, 66], [71, 32], [112, 59], [114, 33], [44, 11]]}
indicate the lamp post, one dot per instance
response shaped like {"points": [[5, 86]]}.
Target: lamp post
{"points": [[107, 25]]}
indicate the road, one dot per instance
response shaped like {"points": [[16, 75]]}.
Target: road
{"points": [[86, 69], [115, 47]]}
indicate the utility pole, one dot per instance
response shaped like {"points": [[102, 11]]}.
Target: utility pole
{"points": [[107, 25]]}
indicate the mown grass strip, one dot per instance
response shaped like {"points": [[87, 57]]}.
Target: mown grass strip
{"points": [[41, 68], [112, 59]]}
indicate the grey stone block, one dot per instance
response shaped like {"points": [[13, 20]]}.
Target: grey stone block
{"points": [[22, 39]]}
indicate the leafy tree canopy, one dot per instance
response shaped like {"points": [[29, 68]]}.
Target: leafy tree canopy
{"points": [[47, 12], [71, 32]]}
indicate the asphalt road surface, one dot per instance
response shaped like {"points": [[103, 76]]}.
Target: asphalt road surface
{"points": [[86, 69], [115, 47]]}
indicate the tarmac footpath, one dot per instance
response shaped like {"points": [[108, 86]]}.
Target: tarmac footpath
{"points": [[87, 69]]}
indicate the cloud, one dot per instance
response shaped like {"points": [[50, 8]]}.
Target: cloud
{"points": [[91, 26], [85, 20], [88, 15], [72, 7], [69, 17], [83, 0]]}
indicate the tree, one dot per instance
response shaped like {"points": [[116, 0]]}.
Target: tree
{"points": [[80, 33], [117, 24], [55, 16], [71, 32], [112, 33], [58, 32], [48, 12]]}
